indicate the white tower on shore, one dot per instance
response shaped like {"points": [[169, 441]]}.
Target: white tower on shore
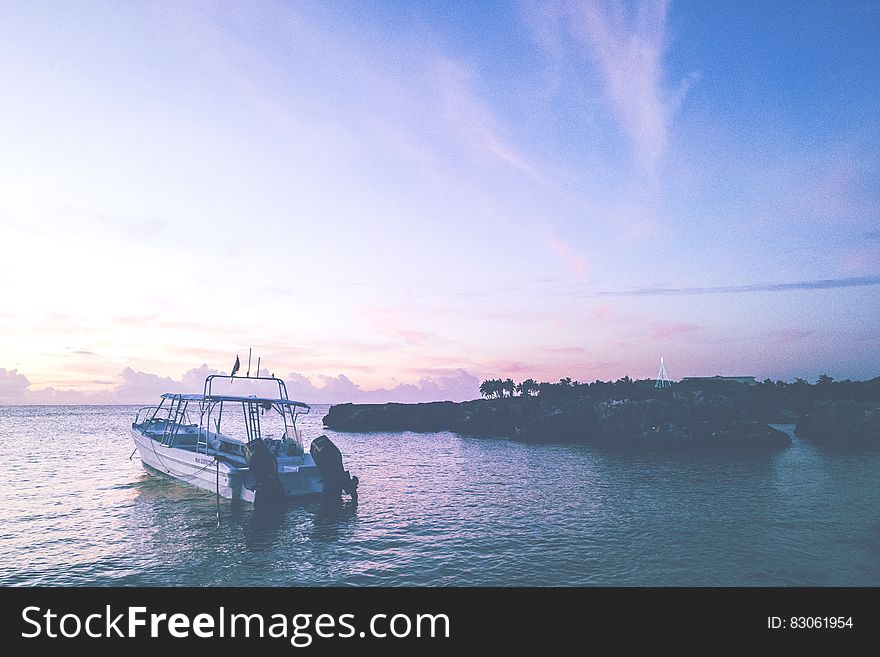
{"points": [[662, 380]]}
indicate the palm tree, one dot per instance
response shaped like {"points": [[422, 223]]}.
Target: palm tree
{"points": [[486, 388], [508, 386], [492, 388], [528, 387]]}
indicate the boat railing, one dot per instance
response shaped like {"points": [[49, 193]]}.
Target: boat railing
{"points": [[288, 410], [171, 415], [145, 413]]}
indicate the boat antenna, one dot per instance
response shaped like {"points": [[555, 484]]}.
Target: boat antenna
{"points": [[258, 366], [248, 375]]}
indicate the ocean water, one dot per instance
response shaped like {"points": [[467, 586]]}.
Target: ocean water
{"points": [[437, 509]]}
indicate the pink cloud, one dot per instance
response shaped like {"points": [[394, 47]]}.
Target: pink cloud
{"points": [[412, 336], [602, 311], [566, 350], [506, 368], [393, 322], [864, 259], [13, 385], [577, 263], [837, 191], [663, 331], [458, 385], [790, 334], [138, 387]]}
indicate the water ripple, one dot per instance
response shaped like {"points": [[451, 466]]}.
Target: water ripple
{"points": [[437, 509]]}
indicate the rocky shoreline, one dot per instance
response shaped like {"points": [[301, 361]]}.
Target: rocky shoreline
{"points": [[686, 419], [844, 422]]}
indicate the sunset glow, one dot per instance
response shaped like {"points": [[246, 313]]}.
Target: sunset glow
{"points": [[412, 197]]}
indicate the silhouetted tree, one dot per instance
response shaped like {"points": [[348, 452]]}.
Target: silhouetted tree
{"points": [[508, 386], [486, 388], [491, 388]]}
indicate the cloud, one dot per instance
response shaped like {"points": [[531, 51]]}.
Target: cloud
{"points": [[547, 30], [132, 387], [567, 351], [472, 119], [836, 186], [628, 50], [578, 264], [506, 368], [82, 352], [602, 311], [15, 388], [338, 387], [393, 322], [457, 385], [790, 334], [13, 385], [824, 284], [143, 385], [861, 259], [194, 379], [662, 331], [137, 387]]}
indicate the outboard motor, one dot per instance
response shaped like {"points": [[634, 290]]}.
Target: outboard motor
{"points": [[336, 478], [269, 493]]}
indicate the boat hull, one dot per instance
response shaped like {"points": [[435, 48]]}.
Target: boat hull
{"points": [[219, 475]]}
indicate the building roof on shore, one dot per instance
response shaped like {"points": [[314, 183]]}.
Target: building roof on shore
{"points": [[718, 377]]}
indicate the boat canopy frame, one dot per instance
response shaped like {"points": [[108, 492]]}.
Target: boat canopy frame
{"points": [[288, 409]]}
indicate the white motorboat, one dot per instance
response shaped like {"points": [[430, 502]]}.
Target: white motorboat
{"points": [[268, 462]]}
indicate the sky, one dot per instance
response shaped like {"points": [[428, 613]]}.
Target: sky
{"points": [[397, 200]]}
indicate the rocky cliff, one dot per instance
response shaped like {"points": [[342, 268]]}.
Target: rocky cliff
{"points": [[841, 422], [684, 419]]}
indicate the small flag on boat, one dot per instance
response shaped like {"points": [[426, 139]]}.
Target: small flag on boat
{"points": [[235, 367]]}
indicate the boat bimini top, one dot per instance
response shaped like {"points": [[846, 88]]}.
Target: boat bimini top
{"points": [[172, 412]]}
